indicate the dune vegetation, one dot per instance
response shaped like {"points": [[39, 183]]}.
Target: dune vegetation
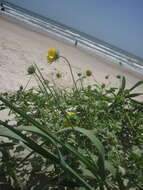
{"points": [[83, 138]]}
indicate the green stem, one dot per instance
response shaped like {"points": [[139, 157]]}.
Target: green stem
{"points": [[67, 61], [43, 79], [41, 82], [81, 82], [55, 96], [27, 82], [38, 78]]}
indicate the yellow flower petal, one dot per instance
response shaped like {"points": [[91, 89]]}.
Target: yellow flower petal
{"points": [[69, 113], [66, 122], [52, 55]]}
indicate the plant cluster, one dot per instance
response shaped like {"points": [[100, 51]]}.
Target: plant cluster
{"points": [[88, 137]]}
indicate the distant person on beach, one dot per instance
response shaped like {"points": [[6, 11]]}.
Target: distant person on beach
{"points": [[120, 63], [75, 43]]}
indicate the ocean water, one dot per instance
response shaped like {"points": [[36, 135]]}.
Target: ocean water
{"points": [[74, 36], [116, 22]]}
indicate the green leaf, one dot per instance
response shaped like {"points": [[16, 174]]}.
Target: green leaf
{"points": [[79, 178], [109, 166], [9, 134], [86, 172], [27, 141], [34, 129], [134, 95], [99, 146], [96, 143], [93, 138], [137, 102], [136, 85], [5, 144], [66, 146], [67, 168]]}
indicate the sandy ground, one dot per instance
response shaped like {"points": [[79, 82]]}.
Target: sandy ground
{"points": [[20, 47]]}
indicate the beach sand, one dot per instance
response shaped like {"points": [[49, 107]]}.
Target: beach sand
{"points": [[20, 47]]}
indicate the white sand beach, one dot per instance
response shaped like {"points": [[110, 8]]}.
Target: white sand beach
{"points": [[20, 47]]}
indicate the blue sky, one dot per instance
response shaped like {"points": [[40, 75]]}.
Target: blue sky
{"points": [[118, 22]]}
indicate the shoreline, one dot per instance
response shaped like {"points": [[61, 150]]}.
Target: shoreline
{"points": [[72, 37]]}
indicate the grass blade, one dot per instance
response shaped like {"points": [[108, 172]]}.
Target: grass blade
{"points": [[30, 143], [134, 95], [136, 85]]}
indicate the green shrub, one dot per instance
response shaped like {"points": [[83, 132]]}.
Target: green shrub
{"points": [[85, 138]]}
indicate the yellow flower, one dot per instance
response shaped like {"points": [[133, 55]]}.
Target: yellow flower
{"points": [[71, 119], [70, 114], [53, 55], [66, 123]]}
